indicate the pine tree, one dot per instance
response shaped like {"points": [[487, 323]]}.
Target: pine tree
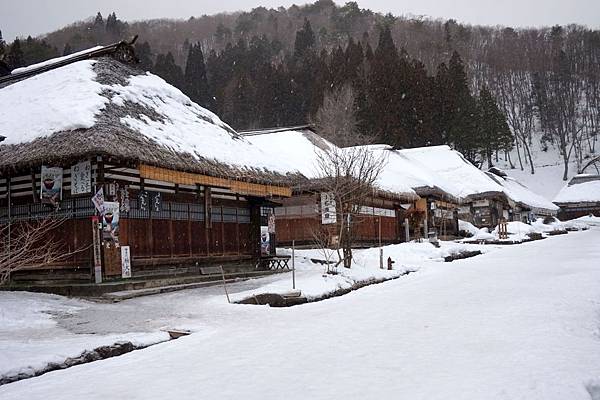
{"points": [[2, 45], [99, 21], [166, 68], [196, 82], [456, 109], [67, 49], [379, 116], [305, 40], [144, 54], [15, 57], [493, 131]]}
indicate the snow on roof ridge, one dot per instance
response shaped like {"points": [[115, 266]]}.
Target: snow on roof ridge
{"points": [[54, 60], [266, 131]]}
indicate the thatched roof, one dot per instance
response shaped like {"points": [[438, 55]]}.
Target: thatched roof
{"points": [[304, 149], [106, 107]]}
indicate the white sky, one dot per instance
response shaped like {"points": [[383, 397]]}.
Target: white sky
{"points": [[34, 17]]}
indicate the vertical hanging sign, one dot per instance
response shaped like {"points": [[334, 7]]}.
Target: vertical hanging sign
{"points": [[328, 210], [97, 251], [110, 222], [125, 262], [81, 178], [98, 200], [271, 222], [52, 179]]}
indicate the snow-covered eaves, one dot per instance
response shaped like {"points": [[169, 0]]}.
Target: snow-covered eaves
{"points": [[581, 189], [522, 195]]}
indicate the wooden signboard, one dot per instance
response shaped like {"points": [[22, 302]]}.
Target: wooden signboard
{"points": [[112, 260], [97, 250]]}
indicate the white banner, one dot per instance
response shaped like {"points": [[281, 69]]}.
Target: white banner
{"points": [[328, 210], [81, 178], [51, 186], [98, 200], [125, 262]]}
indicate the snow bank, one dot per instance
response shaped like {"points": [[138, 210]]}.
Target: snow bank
{"points": [[589, 220], [467, 227], [313, 281], [30, 338], [541, 227]]}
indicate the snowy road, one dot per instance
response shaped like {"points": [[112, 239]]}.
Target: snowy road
{"points": [[520, 323]]}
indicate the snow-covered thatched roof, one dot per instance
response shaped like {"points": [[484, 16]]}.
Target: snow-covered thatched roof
{"points": [[581, 189], [521, 194], [300, 149], [404, 173], [465, 180], [107, 107]]}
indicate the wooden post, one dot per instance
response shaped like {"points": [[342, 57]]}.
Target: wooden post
{"points": [[9, 201], [407, 229], [225, 284], [97, 250], [294, 265]]}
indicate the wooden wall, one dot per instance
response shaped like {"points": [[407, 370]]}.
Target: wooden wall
{"points": [[194, 223]]}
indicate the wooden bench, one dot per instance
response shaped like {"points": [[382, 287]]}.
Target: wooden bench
{"points": [[274, 263]]}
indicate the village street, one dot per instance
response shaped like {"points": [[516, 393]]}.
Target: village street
{"points": [[519, 322]]}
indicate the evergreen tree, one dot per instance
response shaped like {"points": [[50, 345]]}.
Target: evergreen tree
{"points": [[379, 117], [15, 57], [196, 82], [144, 54], [166, 68], [493, 131], [305, 40], [2, 44], [67, 49], [456, 110], [99, 21], [304, 67]]}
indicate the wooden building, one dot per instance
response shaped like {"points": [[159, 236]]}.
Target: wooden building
{"points": [[483, 201], [303, 216], [435, 212], [526, 205], [580, 197], [182, 191]]}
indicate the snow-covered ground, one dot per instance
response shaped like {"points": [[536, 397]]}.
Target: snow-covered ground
{"points": [[313, 282], [31, 338], [37, 329], [520, 322], [519, 231], [547, 180]]}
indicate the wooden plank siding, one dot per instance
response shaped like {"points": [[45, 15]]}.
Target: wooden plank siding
{"points": [[196, 224]]}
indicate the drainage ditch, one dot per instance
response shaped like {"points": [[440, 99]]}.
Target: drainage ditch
{"points": [[88, 356]]}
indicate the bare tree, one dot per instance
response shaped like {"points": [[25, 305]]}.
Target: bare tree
{"points": [[336, 118], [325, 243], [559, 91], [350, 176], [28, 245]]}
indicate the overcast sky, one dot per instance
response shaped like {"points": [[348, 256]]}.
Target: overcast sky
{"points": [[35, 17]]}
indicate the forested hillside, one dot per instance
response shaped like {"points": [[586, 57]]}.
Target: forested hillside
{"points": [[491, 92]]}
